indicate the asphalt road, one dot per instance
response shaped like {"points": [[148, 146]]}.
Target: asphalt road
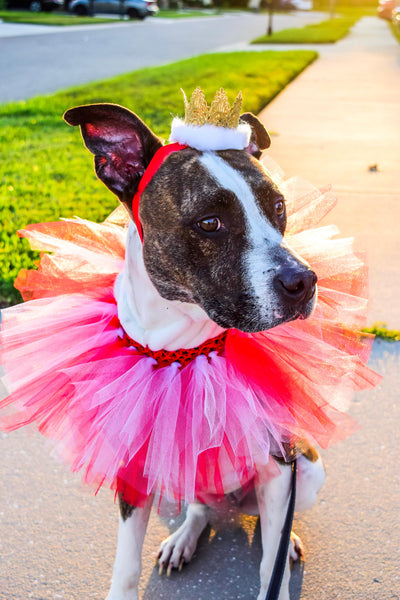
{"points": [[38, 60]]}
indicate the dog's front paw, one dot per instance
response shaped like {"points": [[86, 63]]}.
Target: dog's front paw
{"points": [[179, 547], [176, 550]]}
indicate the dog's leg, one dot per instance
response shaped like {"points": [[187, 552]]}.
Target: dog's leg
{"points": [[273, 500], [310, 478], [128, 562], [179, 547]]}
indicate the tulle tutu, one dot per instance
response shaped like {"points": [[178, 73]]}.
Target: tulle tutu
{"points": [[207, 427]]}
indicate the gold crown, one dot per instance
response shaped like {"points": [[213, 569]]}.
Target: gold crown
{"points": [[220, 113]]}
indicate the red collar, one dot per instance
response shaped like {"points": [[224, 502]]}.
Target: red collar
{"points": [[165, 358], [155, 163]]}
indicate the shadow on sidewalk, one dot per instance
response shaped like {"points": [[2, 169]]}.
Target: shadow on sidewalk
{"points": [[225, 565]]}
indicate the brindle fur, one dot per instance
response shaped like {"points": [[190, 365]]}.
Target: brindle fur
{"points": [[125, 509], [199, 268]]}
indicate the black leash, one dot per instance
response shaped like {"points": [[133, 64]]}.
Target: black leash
{"points": [[280, 561]]}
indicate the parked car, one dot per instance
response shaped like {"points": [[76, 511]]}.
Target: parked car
{"points": [[35, 5], [385, 8], [134, 9]]}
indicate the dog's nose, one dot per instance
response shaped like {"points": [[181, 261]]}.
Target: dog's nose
{"points": [[296, 286]]}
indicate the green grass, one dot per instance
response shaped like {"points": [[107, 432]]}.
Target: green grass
{"points": [[326, 32], [182, 14], [355, 11], [44, 18], [46, 173], [364, 7], [381, 331]]}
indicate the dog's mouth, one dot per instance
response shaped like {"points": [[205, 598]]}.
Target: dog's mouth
{"points": [[247, 316], [289, 294], [306, 311]]}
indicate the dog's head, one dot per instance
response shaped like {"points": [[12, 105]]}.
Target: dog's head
{"points": [[213, 222]]}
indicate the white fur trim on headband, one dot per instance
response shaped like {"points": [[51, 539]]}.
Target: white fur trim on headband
{"points": [[210, 137]]}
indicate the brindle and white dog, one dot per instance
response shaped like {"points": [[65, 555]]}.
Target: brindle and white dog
{"points": [[213, 257]]}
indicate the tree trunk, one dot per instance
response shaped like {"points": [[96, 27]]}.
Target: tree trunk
{"points": [[270, 15]]}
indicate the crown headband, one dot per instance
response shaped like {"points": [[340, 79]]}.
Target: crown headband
{"points": [[214, 127]]}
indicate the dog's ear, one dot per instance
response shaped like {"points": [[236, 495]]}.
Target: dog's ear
{"points": [[260, 139], [122, 145]]}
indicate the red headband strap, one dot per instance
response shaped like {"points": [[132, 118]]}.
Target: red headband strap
{"points": [[152, 168]]}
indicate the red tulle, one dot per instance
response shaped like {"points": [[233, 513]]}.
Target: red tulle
{"points": [[187, 428]]}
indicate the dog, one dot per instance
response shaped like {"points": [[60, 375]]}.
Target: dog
{"points": [[213, 257]]}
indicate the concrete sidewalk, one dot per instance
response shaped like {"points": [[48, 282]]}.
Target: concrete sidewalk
{"points": [[337, 123]]}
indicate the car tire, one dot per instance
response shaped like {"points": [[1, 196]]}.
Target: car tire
{"points": [[134, 14], [81, 11], [35, 6]]}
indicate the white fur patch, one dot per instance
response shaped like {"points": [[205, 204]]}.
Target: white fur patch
{"points": [[127, 564], [310, 479], [262, 235], [210, 137], [148, 318]]}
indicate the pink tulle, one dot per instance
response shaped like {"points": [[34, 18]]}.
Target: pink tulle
{"points": [[206, 428]]}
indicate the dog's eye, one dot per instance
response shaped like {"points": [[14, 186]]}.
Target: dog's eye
{"points": [[210, 225], [279, 208]]}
